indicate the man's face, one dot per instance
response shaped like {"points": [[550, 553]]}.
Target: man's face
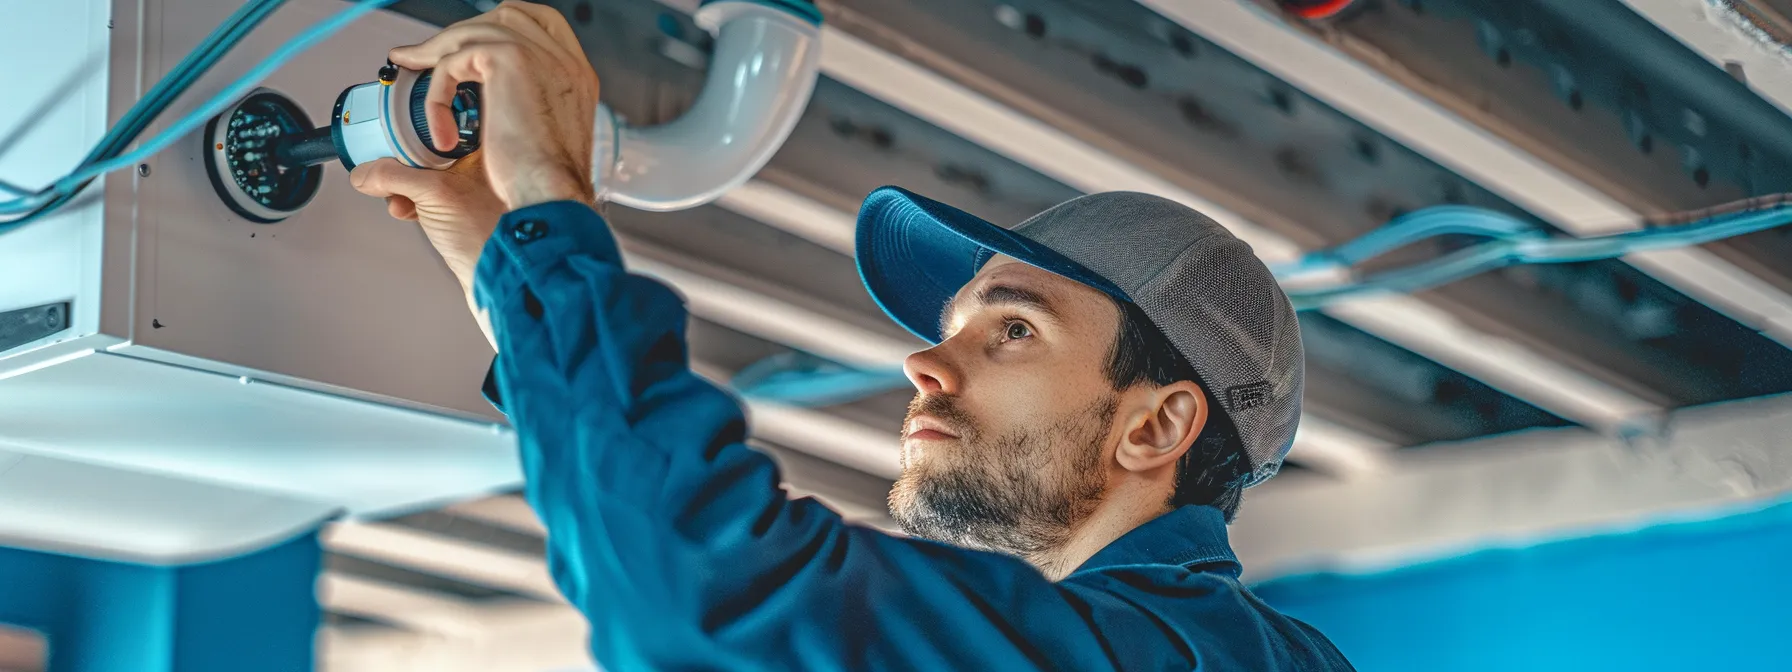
{"points": [[1008, 441]]}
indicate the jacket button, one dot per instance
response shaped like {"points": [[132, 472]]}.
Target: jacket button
{"points": [[529, 230]]}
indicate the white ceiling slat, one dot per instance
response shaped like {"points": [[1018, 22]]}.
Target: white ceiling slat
{"points": [[442, 555], [510, 512]]}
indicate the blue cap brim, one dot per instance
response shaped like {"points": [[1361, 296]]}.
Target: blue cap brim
{"points": [[915, 253]]}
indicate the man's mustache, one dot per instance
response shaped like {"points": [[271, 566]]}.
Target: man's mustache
{"points": [[945, 408]]}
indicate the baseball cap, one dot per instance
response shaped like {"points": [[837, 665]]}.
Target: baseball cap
{"points": [[1202, 287]]}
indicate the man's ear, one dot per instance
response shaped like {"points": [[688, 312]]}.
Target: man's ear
{"points": [[1164, 423]]}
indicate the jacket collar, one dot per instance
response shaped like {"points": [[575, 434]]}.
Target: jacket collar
{"points": [[1188, 536]]}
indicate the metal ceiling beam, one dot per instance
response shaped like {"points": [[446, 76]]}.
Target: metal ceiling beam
{"points": [[510, 637], [410, 608], [826, 436], [1338, 450], [443, 555], [735, 302], [794, 213], [1403, 320], [1473, 152], [510, 512]]}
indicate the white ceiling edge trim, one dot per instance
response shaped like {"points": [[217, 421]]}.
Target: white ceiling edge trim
{"points": [[194, 424], [66, 506], [1517, 490], [956, 108], [1403, 115]]}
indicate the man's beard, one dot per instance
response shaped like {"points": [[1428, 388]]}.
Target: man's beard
{"points": [[1020, 493]]}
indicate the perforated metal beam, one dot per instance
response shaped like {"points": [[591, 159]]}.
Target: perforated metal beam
{"points": [[1477, 154]]}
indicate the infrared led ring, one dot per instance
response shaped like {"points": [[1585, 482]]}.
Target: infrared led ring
{"points": [[241, 162]]}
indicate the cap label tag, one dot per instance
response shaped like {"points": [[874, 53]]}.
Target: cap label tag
{"points": [[1248, 395]]}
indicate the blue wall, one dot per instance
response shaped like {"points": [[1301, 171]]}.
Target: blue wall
{"points": [[254, 612], [1714, 595]]}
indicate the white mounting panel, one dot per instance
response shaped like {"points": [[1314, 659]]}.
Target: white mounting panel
{"points": [[367, 363]]}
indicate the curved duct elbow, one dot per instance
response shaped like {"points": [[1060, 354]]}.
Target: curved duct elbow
{"points": [[760, 77]]}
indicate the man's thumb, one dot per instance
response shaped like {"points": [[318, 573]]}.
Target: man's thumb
{"points": [[387, 177]]}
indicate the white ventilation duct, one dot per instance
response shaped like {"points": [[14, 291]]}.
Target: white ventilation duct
{"points": [[761, 74]]}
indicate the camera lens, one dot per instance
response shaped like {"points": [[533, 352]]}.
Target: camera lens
{"points": [[466, 116]]}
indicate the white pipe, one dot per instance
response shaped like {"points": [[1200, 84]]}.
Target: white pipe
{"points": [[759, 81]]}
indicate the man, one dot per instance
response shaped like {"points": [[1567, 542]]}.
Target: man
{"points": [[1059, 441]]}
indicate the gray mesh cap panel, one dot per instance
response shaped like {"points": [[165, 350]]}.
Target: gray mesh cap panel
{"points": [[1210, 296]]}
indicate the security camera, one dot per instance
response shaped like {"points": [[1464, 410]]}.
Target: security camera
{"points": [[265, 156]]}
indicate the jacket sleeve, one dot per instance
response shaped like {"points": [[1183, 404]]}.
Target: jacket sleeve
{"points": [[675, 539]]}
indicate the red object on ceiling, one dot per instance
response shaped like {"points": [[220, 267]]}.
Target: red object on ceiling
{"points": [[1317, 10]]}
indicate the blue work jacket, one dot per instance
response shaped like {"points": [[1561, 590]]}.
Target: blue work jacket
{"points": [[677, 543]]}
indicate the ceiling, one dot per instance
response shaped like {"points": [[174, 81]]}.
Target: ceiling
{"points": [[1580, 116]]}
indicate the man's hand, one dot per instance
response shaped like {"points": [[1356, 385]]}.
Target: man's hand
{"points": [[538, 99], [456, 208]]}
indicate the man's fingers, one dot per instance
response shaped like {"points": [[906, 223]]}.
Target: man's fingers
{"points": [[450, 71], [387, 177], [552, 22], [438, 106], [401, 208], [527, 19], [452, 39], [473, 63]]}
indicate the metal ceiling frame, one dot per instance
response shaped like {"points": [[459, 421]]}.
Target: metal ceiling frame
{"points": [[1316, 68]]}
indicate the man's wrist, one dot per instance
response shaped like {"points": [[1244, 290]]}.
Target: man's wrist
{"points": [[547, 189]]}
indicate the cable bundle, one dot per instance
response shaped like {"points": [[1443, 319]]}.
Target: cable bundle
{"points": [[1512, 241], [106, 155]]}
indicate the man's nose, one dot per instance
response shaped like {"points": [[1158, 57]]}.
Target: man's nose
{"points": [[930, 372]]}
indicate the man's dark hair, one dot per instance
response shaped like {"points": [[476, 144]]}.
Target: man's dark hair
{"points": [[1212, 471]]}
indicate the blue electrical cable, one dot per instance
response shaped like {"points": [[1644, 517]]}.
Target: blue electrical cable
{"points": [[1525, 247], [224, 99], [69, 185], [1408, 229], [179, 78]]}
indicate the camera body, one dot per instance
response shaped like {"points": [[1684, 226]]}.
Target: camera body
{"points": [[388, 118]]}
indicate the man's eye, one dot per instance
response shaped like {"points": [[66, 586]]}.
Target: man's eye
{"points": [[1018, 330]]}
